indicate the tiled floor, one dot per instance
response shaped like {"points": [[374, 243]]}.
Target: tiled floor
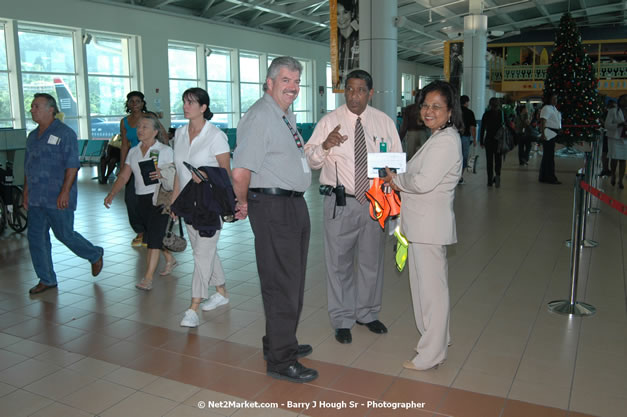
{"points": [[100, 347]]}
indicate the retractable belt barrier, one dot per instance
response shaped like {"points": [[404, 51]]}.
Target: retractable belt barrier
{"points": [[615, 204]]}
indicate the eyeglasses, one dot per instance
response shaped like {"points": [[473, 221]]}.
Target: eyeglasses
{"points": [[360, 91], [434, 107]]}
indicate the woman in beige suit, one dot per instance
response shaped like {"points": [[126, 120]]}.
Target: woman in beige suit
{"points": [[428, 221]]}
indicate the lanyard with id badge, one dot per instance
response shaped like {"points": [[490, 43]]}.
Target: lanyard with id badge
{"points": [[299, 145]]}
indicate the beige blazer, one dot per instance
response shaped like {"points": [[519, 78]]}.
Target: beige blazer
{"points": [[428, 189]]}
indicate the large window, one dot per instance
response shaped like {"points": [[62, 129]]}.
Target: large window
{"points": [[183, 71], [109, 81], [331, 99], [408, 84], [250, 80], [303, 104], [5, 95], [47, 61], [220, 87]]}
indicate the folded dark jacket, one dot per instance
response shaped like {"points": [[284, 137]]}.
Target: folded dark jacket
{"points": [[203, 205]]}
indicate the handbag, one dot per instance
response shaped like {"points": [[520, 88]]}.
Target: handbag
{"points": [[172, 241], [504, 138]]}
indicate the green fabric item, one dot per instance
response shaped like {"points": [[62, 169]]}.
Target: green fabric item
{"points": [[401, 249]]}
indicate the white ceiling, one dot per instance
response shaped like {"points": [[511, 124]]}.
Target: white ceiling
{"points": [[426, 25]]}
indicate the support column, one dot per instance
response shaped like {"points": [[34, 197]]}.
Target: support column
{"points": [[378, 51], [475, 48]]}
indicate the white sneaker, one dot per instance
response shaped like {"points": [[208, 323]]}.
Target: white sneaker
{"points": [[215, 301], [190, 319]]}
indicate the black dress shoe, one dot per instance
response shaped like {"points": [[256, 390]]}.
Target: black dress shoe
{"points": [[303, 350], [343, 336], [375, 326], [295, 373], [41, 287]]}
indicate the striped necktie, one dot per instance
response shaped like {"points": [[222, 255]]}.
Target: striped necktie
{"points": [[361, 163]]}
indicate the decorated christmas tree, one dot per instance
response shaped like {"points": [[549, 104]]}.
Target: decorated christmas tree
{"points": [[572, 76]]}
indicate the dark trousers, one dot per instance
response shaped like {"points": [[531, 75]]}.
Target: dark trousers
{"points": [[154, 222], [524, 147], [132, 207], [281, 228], [547, 166], [493, 160]]}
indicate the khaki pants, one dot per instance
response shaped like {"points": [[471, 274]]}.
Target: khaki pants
{"points": [[207, 266]]}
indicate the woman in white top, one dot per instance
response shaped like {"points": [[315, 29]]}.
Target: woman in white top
{"points": [[200, 143], [617, 139], [550, 123], [155, 223]]}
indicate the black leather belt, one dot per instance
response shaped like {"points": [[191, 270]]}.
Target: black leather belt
{"points": [[277, 191]]}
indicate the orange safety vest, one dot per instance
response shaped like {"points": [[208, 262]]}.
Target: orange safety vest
{"points": [[382, 204]]}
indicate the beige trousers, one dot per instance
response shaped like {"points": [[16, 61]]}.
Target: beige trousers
{"points": [[428, 278], [207, 266]]}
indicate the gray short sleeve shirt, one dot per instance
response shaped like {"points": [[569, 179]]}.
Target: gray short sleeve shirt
{"points": [[266, 147]]}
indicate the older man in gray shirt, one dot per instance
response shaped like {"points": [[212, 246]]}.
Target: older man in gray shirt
{"points": [[270, 176]]}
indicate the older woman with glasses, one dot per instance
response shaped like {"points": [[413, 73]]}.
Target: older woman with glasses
{"points": [[427, 219]]}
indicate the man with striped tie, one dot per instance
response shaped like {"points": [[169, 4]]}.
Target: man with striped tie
{"points": [[354, 242]]}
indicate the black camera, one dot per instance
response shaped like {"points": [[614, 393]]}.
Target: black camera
{"points": [[326, 190]]}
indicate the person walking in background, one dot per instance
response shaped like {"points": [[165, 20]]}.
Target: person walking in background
{"points": [[469, 133], [605, 150], [201, 144], [154, 222], [491, 122], [413, 130], [616, 126], [270, 176], [135, 107], [51, 193], [428, 221], [550, 125], [523, 135]]}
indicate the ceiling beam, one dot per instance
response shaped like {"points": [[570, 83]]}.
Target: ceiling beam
{"points": [[281, 11], [157, 4], [219, 9], [423, 6], [591, 11], [303, 5], [206, 8], [264, 19], [402, 22]]}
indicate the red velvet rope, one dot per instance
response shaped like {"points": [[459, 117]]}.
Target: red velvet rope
{"points": [[604, 197]]}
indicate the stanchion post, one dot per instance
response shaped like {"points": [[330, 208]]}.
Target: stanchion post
{"points": [[594, 178], [572, 306], [588, 175]]}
